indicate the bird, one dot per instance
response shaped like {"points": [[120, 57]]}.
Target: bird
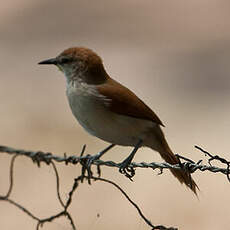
{"points": [[110, 111]]}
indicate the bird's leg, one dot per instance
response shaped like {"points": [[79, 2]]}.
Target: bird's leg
{"points": [[100, 154], [124, 165], [97, 156]]}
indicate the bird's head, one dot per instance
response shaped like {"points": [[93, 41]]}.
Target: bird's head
{"points": [[78, 63]]}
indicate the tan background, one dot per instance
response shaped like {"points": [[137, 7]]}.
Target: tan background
{"points": [[174, 54]]}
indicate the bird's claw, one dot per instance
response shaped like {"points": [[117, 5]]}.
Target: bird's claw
{"points": [[126, 169], [88, 161]]}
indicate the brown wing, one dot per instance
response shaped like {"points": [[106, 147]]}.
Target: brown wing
{"points": [[125, 102]]}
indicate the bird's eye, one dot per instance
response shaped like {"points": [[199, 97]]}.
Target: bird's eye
{"points": [[65, 60]]}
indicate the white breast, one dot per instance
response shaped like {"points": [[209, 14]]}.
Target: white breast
{"points": [[90, 110]]}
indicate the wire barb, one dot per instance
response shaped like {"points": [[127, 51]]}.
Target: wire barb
{"points": [[86, 161], [47, 157]]}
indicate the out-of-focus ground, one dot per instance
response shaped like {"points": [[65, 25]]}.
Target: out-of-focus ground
{"points": [[174, 54]]}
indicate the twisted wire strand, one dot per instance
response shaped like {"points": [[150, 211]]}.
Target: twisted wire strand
{"points": [[47, 157]]}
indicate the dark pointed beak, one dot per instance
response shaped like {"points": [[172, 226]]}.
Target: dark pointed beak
{"points": [[51, 61]]}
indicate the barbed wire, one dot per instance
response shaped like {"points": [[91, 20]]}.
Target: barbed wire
{"points": [[86, 161]]}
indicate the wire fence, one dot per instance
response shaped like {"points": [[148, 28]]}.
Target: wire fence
{"points": [[86, 161]]}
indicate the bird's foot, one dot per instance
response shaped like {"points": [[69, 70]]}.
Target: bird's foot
{"points": [[90, 159], [125, 166], [87, 162], [97, 156], [126, 169]]}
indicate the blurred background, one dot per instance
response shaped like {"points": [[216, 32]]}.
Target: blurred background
{"points": [[173, 54]]}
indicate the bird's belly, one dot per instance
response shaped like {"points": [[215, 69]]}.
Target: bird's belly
{"points": [[99, 121]]}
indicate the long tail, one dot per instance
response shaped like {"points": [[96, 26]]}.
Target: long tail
{"points": [[181, 175], [169, 157]]}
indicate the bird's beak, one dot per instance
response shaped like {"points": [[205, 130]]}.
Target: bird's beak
{"points": [[51, 61]]}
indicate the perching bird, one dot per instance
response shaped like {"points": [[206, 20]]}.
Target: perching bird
{"points": [[110, 111]]}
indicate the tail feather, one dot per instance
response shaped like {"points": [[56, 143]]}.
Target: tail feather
{"points": [[166, 153], [180, 174]]}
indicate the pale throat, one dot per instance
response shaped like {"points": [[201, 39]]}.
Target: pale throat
{"points": [[71, 75]]}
